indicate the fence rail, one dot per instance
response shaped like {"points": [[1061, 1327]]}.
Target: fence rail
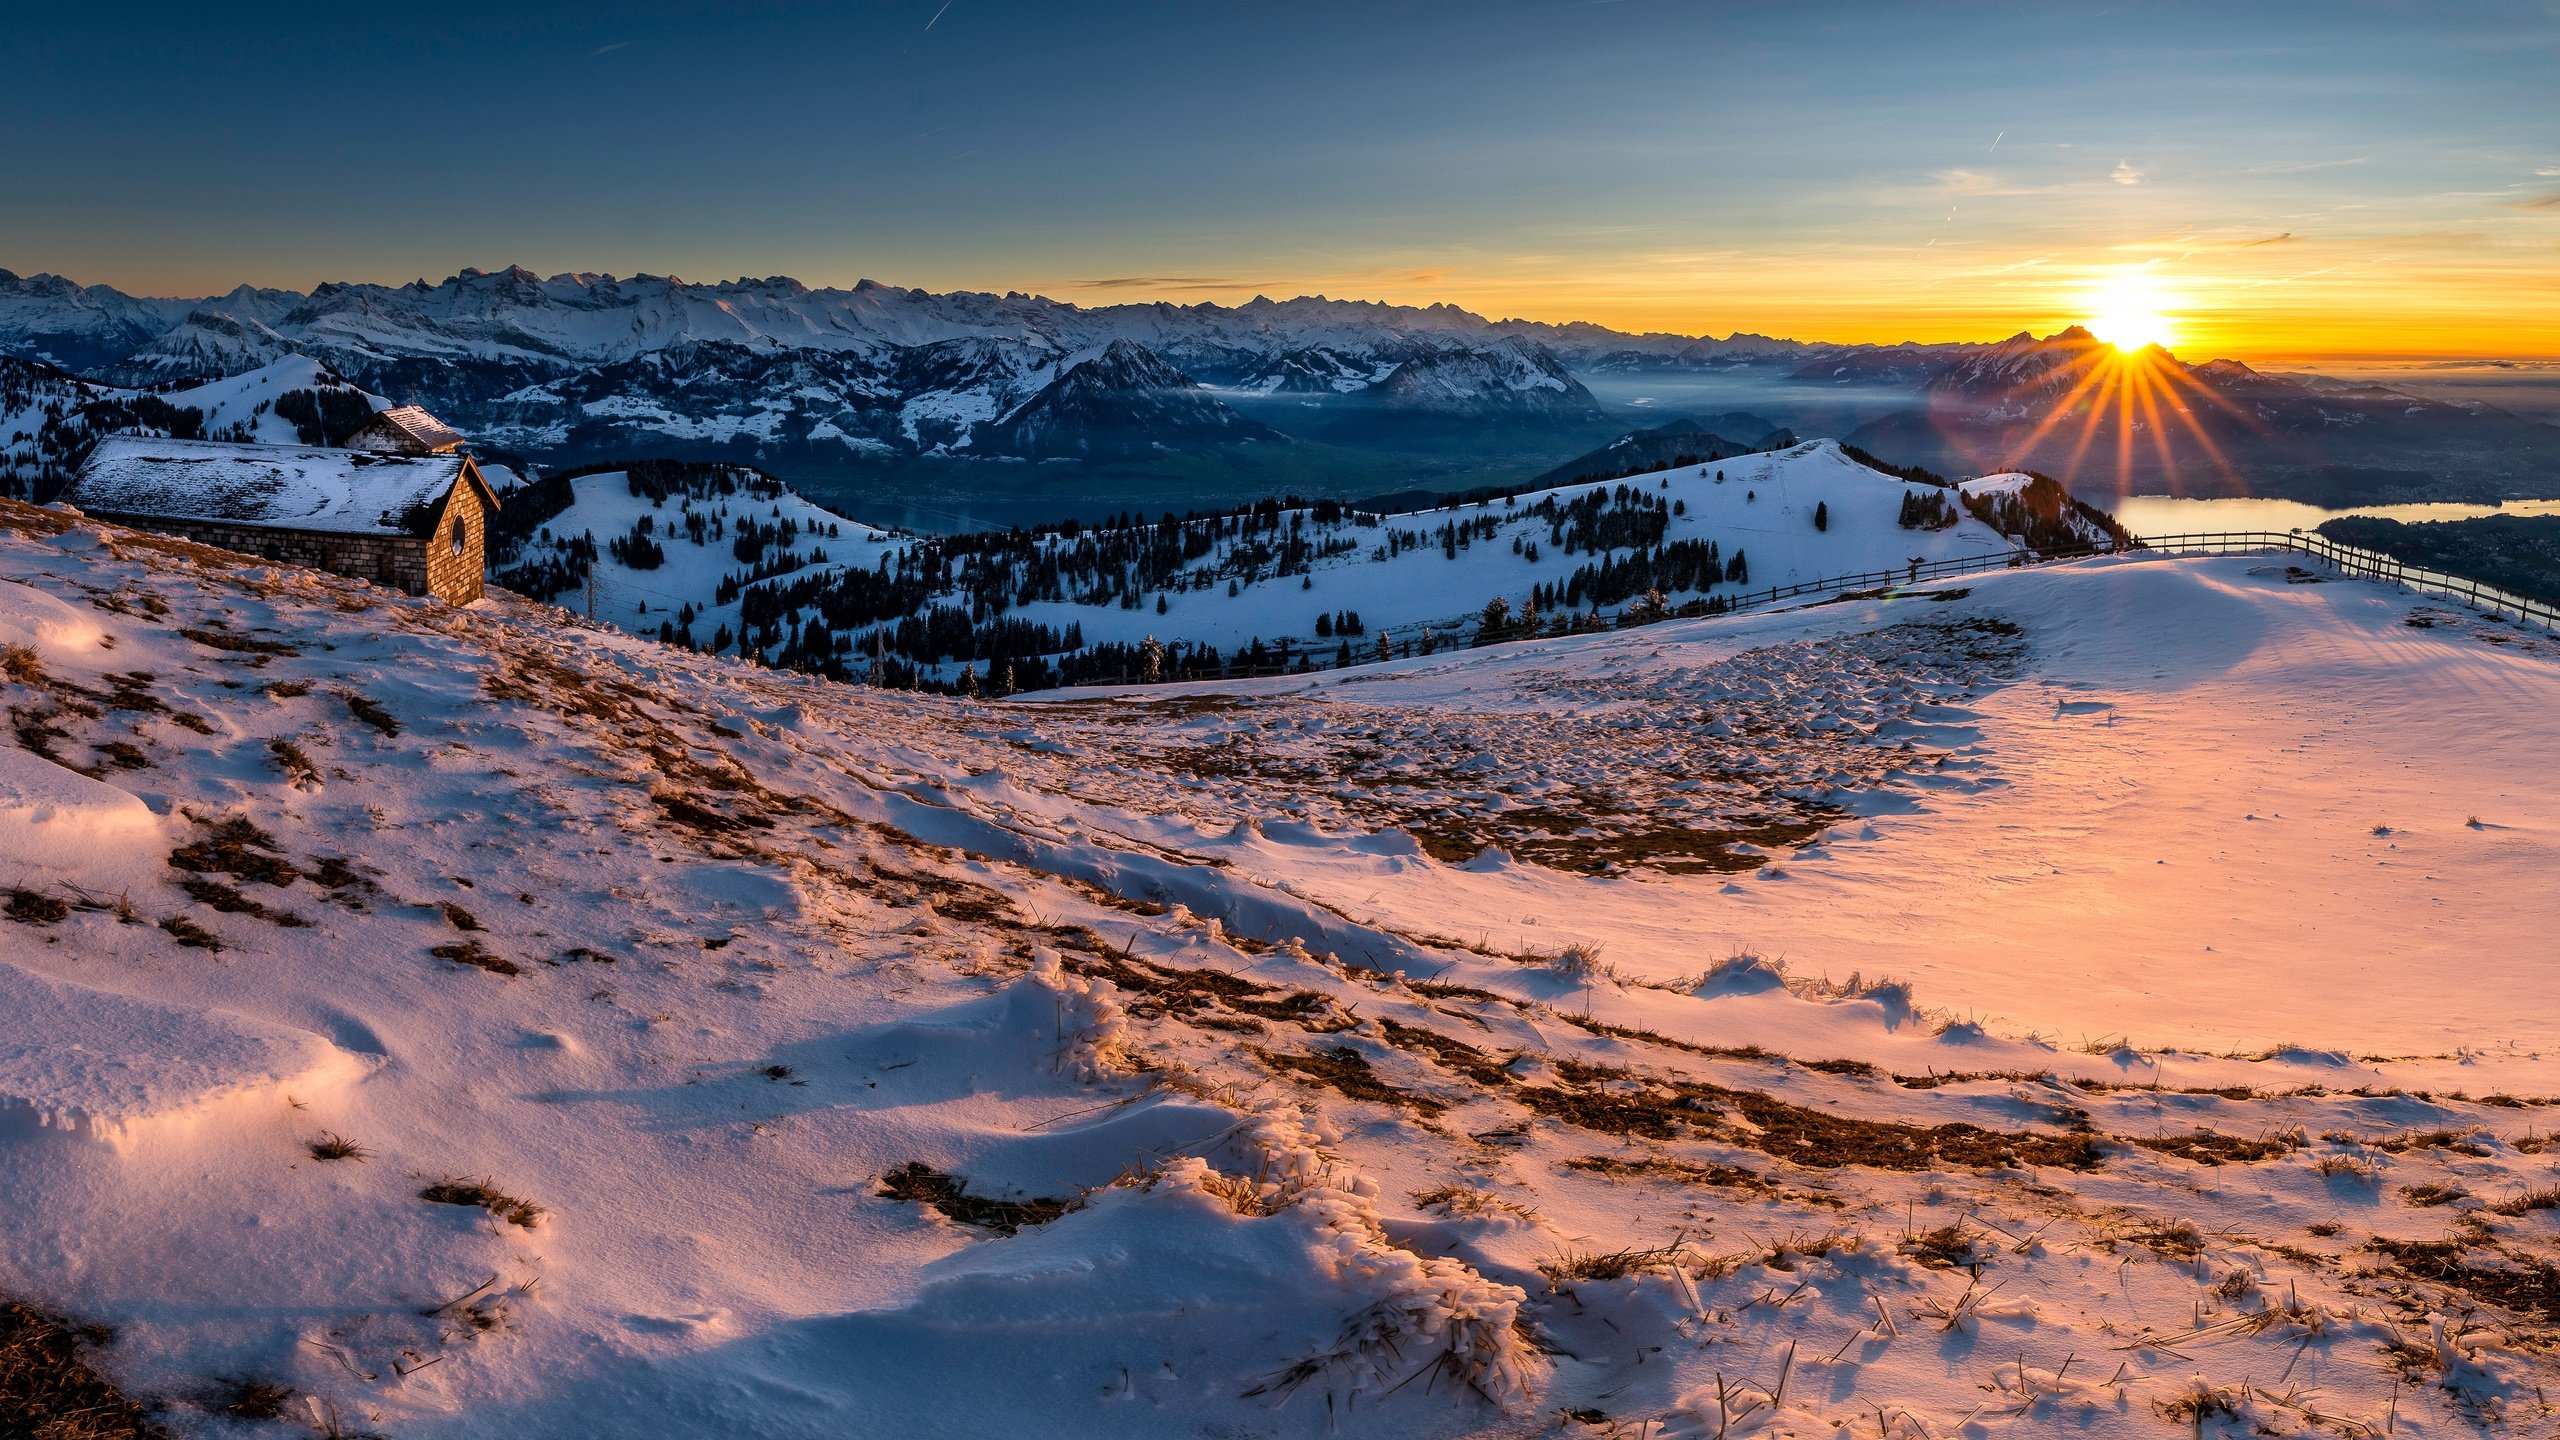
{"points": [[2352, 561]]}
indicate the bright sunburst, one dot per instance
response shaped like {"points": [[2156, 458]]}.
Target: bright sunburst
{"points": [[2129, 311]]}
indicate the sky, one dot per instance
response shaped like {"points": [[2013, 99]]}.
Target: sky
{"points": [[2262, 180]]}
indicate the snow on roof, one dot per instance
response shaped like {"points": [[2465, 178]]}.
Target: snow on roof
{"points": [[406, 428], [2007, 482], [288, 487]]}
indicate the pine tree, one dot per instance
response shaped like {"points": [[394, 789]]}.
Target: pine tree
{"points": [[1822, 515]]}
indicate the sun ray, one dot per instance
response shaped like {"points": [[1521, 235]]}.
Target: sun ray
{"points": [[2089, 424], [2096, 373], [2150, 386]]}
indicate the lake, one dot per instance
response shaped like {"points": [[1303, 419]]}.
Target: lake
{"points": [[2181, 515]]}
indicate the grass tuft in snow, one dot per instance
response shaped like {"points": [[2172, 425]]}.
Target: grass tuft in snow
{"points": [[1580, 963], [948, 1195], [1948, 1247], [238, 848], [370, 711], [191, 935], [1570, 1266], [32, 907], [2541, 1197], [481, 1193], [334, 1146], [227, 900], [251, 1400], [477, 956], [296, 763]]}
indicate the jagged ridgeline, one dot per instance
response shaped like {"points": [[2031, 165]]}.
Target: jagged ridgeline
{"points": [[726, 559]]}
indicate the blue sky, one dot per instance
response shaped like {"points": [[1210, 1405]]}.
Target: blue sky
{"points": [[2324, 172]]}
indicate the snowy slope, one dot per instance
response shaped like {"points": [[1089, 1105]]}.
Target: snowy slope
{"points": [[606, 505], [242, 406], [1762, 509], [724, 973]]}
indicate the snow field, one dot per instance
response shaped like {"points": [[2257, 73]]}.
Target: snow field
{"points": [[691, 959]]}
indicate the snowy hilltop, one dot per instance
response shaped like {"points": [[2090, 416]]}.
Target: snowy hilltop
{"points": [[2104, 998], [733, 562]]}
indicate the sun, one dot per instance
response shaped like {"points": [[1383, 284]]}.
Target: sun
{"points": [[2130, 312]]}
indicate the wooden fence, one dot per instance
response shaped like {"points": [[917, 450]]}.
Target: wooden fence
{"points": [[2349, 560]]}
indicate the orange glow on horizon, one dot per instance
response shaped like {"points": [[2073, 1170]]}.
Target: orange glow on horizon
{"points": [[2295, 301]]}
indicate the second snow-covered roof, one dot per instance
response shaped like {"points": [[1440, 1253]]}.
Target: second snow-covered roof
{"points": [[405, 430], [282, 486]]}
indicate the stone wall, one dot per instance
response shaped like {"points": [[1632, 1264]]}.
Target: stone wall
{"points": [[428, 565]]}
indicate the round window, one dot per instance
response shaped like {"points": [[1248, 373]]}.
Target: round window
{"points": [[461, 535]]}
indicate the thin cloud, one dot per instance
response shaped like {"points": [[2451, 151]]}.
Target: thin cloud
{"points": [[2284, 239], [1168, 282], [937, 17], [2306, 167], [609, 49], [2550, 201], [1963, 184], [2125, 174]]}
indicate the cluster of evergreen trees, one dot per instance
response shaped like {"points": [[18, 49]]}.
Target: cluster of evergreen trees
{"points": [[1674, 567], [639, 549], [324, 417], [2043, 516], [1926, 510]]}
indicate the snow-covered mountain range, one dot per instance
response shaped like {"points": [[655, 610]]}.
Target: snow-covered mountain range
{"points": [[435, 1021], [816, 382], [761, 369]]}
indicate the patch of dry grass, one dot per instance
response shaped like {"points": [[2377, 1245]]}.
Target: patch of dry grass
{"points": [[49, 1390], [2207, 1147], [1347, 1072], [477, 956], [482, 1194], [948, 1196], [34, 907], [191, 935]]}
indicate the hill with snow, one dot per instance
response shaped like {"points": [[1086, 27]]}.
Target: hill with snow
{"points": [[2102, 998], [1266, 586]]}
